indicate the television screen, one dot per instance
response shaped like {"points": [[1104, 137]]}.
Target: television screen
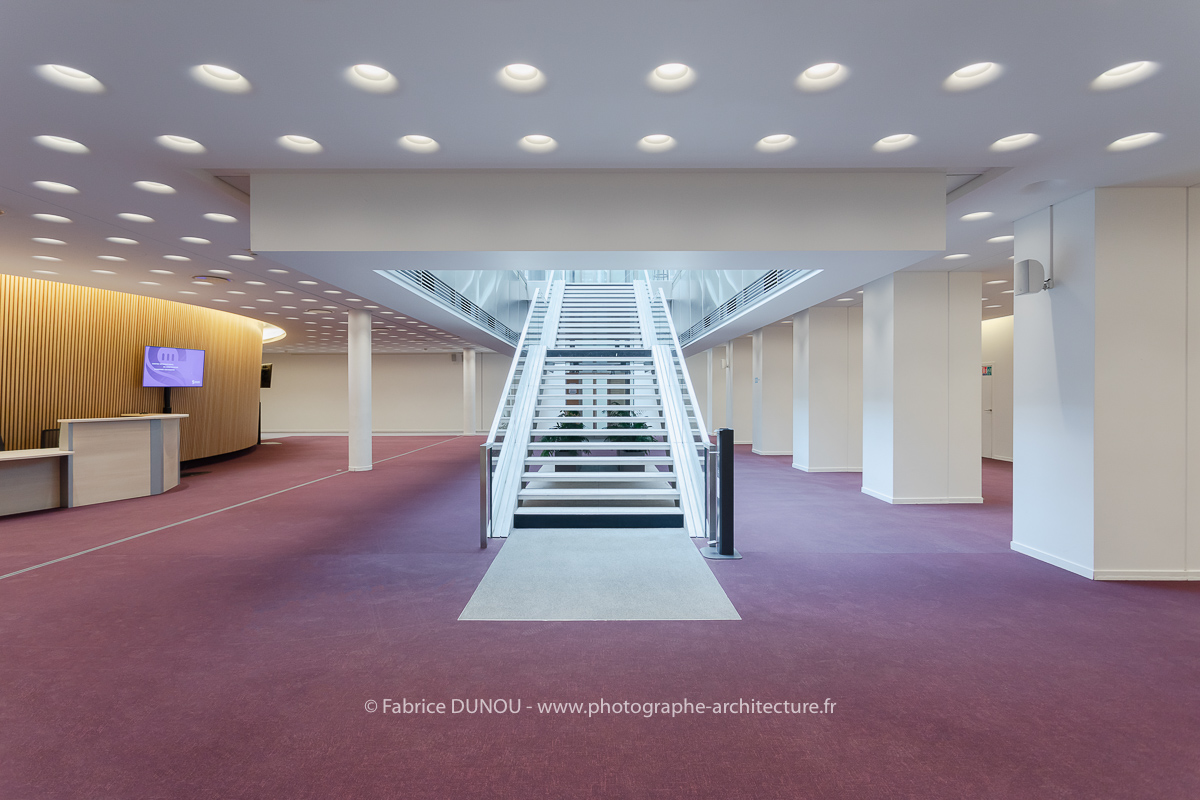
{"points": [[173, 366]]}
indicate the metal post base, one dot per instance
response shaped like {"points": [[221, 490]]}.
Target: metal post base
{"points": [[711, 552]]}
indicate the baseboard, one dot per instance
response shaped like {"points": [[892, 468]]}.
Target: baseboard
{"points": [[771, 452], [285, 434], [358, 469], [1147, 575], [903, 501], [825, 469], [1000, 458], [1061, 563]]}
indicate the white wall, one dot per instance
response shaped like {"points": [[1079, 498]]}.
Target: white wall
{"points": [[771, 391], [411, 393], [742, 385], [827, 390], [998, 351], [697, 367]]}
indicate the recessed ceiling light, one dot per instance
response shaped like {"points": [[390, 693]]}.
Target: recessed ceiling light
{"points": [[897, 141], [371, 78], [775, 143], [220, 272], [536, 143], [521, 78], [998, 239], [1014, 142], [103, 272], [299, 144], [1008, 291], [416, 143], [956, 256], [655, 143], [975, 216], [995, 283], [51, 218], [214, 217], [308, 283], [162, 272], [154, 186], [219, 300], [255, 283], [278, 271], [194, 240], [110, 258], [55, 186], [44, 271], [150, 283], [186, 291], [70, 78], [241, 257], [845, 299], [135, 217], [176, 258], [44, 240], [120, 240], [993, 306], [61, 143], [47, 258], [972, 76], [234, 291], [222, 79], [181, 144], [1010, 258], [1135, 141], [1125, 75], [820, 77], [283, 291], [672, 77], [332, 291]]}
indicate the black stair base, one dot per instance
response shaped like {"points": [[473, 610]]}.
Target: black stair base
{"points": [[597, 520], [608, 352]]}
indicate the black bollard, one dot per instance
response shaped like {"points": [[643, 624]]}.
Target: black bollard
{"points": [[724, 544]]}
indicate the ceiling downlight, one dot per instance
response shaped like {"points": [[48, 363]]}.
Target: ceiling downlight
{"points": [[822, 77], [223, 79], [70, 78]]}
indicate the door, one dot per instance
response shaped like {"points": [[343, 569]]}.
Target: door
{"points": [[986, 396]]}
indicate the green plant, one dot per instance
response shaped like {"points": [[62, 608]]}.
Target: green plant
{"points": [[637, 426], [566, 439]]}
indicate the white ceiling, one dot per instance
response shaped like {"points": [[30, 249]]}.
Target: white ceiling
{"points": [[596, 103]]}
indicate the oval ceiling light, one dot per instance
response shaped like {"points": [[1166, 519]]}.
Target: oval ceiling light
{"points": [[55, 186], [180, 144], [57, 218], [162, 272], [215, 217], [241, 257], [897, 141], [103, 271], [195, 240], [223, 79], [47, 258], [1124, 75], [994, 283], [44, 240], [44, 272], [1014, 142], [154, 186], [672, 77], [522, 78], [279, 271], [299, 144], [62, 144], [656, 143], [536, 143], [820, 77], [70, 78], [956, 256], [176, 258], [972, 76], [125, 215], [775, 143], [1135, 141], [975, 216], [120, 240], [371, 78], [110, 258], [272, 333], [416, 143], [998, 239]]}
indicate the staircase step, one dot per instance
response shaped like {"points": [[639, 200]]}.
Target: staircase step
{"points": [[598, 494], [550, 475], [599, 446], [599, 460], [598, 517]]}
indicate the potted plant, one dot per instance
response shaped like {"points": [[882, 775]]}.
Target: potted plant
{"points": [[639, 426], [567, 439]]}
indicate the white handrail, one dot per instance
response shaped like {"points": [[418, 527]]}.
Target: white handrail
{"points": [[512, 369], [687, 379]]}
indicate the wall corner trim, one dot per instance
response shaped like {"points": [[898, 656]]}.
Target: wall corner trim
{"points": [[1053, 560]]}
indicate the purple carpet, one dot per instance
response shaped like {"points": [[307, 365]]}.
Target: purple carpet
{"points": [[234, 655]]}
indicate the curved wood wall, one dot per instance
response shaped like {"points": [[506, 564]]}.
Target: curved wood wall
{"points": [[69, 352]]}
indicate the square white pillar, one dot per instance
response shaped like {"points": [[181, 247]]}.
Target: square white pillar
{"points": [[827, 378], [470, 395], [772, 391], [921, 389], [739, 411], [358, 358]]}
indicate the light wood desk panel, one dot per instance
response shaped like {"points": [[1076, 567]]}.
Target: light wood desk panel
{"points": [[33, 480], [117, 458]]}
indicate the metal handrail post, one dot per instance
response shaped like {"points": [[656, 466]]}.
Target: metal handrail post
{"points": [[485, 493], [710, 496]]}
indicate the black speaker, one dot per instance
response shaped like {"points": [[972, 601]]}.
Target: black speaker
{"points": [[265, 382]]}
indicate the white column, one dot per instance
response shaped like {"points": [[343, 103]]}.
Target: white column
{"points": [[921, 388], [728, 423], [772, 391], [741, 390], [470, 396], [1105, 392], [358, 356], [827, 390]]}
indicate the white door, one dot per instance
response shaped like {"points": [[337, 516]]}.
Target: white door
{"points": [[986, 426]]}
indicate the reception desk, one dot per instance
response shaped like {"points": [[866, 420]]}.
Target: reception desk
{"points": [[33, 480], [116, 458]]}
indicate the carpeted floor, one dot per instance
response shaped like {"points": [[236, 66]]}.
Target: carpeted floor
{"points": [[237, 655]]}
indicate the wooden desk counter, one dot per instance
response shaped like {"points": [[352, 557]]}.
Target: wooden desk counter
{"points": [[33, 480], [115, 458]]}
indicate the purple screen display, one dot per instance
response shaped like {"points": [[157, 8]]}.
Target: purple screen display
{"points": [[173, 366]]}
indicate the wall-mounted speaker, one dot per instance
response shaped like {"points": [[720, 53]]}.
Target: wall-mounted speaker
{"points": [[1030, 277]]}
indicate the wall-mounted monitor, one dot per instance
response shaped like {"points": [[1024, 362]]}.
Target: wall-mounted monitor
{"points": [[173, 367]]}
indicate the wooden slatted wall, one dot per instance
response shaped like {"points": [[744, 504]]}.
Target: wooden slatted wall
{"points": [[70, 352]]}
